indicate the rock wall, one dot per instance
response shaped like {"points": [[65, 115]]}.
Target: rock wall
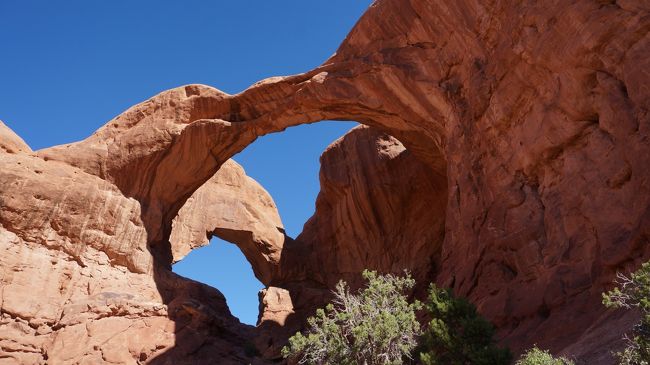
{"points": [[366, 217], [77, 284], [533, 117], [379, 208]]}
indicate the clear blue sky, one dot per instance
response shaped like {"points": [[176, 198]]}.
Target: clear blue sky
{"points": [[67, 67]]}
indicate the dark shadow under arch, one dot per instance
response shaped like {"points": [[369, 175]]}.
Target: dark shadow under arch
{"points": [[299, 276]]}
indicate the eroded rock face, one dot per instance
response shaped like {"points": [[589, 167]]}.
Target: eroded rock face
{"points": [[78, 284], [532, 116], [237, 209], [365, 218], [379, 208], [10, 142]]}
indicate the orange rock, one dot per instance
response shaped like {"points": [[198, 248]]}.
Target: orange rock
{"points": [[10, 142], [235, 208], [527, 122]]}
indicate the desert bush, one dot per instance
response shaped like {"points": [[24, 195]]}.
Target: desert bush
{"points": [[457, 334], [376, 326], [535, 356], [633, 292]]}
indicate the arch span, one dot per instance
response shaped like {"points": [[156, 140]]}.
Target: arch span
{"points": [[537, 114], [162, 150], [366, 218]]}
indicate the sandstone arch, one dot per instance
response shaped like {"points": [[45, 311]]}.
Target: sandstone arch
{"points": [[159, 152], [365, 218], [235, 208], [536, 113]]}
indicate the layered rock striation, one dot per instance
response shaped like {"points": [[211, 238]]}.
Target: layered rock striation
{"points": [[520, 180], [379, 208], [77, 283]]}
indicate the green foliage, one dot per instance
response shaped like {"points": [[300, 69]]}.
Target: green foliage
{"points": [[377, 326], [535, 356], [634, 292], [457, 334]]}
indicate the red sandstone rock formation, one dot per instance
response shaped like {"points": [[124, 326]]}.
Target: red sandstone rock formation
{"points": [[76, 279], [533, 117], [379, 208], [235, 208]]}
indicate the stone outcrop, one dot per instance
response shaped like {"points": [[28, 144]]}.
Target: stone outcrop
{"points": [[365, 218], [379, 208], [10, 142], [235, 208], [77, 283], [529, 120]]}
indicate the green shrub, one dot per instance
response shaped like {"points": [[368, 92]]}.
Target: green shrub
{"points": [[457, 334], [375, 326], [633, 292], [535, 356]]}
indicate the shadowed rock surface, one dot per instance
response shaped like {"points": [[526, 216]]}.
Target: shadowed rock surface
{"points": [[523, 131]]}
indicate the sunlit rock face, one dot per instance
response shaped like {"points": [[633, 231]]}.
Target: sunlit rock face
{"points": [[508, 160], [78, 283], [235, 208]]}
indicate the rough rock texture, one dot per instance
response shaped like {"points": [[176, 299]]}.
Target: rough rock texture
{"points": [[366, 218], [76, 279], [235, 208], [276, 305], [533, 116], [10, 142], [379, 208]]}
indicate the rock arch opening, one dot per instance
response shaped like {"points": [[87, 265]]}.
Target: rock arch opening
{"points": [[538, 218], [379, 207], [221, 265], [389, 175], [286, 164]]}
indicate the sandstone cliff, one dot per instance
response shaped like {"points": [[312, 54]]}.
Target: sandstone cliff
{"points": [[76, 278], [523, 131]]}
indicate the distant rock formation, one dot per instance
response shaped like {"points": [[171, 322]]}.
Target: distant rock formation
{"points": [[507, 157]]}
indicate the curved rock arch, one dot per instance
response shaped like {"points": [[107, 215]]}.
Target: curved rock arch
{"points": [[537, 114], [160, 151], [365, 218]]}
